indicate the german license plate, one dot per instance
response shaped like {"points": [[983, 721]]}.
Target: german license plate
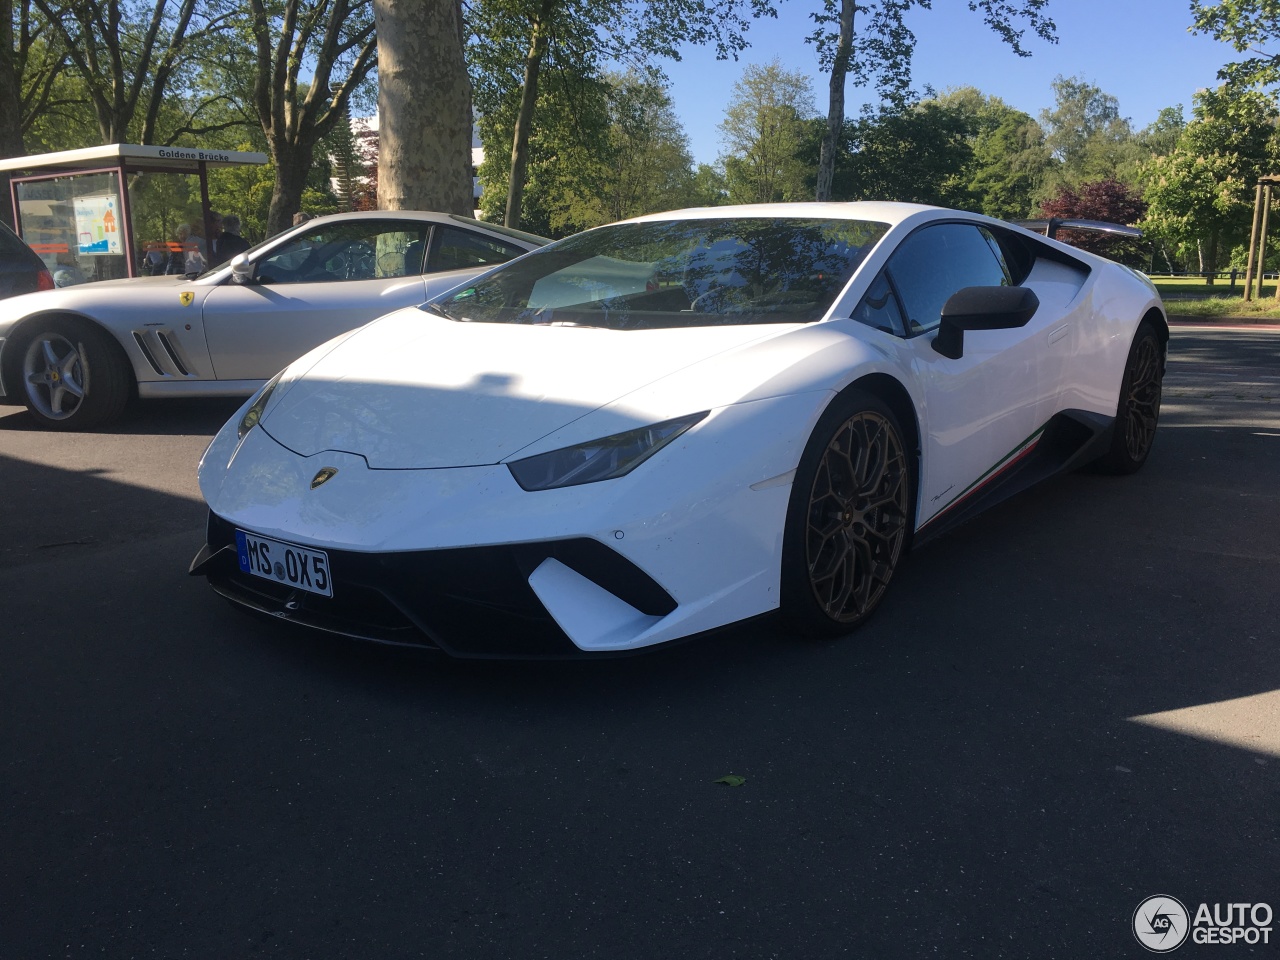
{"points": [[286, 563]]}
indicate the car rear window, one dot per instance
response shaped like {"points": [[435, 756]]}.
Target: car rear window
{"points": [[12, 246]]}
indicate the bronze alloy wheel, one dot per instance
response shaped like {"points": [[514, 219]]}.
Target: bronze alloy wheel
{"points": [[1138, 410], [1142, 402], [857, 516]]}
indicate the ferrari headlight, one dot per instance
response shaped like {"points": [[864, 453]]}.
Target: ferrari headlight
{"points": [[253, 415], [603, 459]]}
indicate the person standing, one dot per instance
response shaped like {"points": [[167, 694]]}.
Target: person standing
{"points": [[198, 251], [182, 251], [228, 243]]}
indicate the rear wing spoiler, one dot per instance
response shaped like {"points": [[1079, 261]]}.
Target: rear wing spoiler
{"points": [[1051, 227]]}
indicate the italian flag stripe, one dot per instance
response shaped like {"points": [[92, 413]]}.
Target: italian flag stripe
{"points": [[1010, 459]]}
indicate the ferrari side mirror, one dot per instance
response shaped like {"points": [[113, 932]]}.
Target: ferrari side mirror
{"points": [[241, 269], [982, 308]]}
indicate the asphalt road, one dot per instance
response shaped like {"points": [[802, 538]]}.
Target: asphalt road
{"points": [[964, 777]]}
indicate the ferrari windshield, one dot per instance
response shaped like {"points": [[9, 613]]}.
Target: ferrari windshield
{"points": [[675, 273]]}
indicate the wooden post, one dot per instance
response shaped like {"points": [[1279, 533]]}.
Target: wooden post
{"points": [[1262, 237], [1253, 243]]}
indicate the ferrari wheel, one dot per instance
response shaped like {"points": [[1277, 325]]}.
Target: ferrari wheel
{"points": [[1139, 409], [849, 517], [72, 375]]}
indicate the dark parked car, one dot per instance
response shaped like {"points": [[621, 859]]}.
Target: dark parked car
{"points": [[21, 269]]}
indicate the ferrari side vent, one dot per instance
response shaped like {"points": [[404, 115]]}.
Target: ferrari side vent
{"points": [[171, 349], [146, 352], [163, 352]]}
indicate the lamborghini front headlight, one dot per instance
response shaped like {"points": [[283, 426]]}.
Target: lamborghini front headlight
{"points": [[603, 459], [253, 415]]}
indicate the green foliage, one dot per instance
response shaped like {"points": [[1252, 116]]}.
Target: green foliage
{"points": [[66, 122], [137, 60], [601, 31], [1010, 158], [870, 42], [246, 192], [571, 135], [1248, 25], [1200, 195], [919, 152], [160, 202], [571, 108], [709, 188], [764, 131], [1160, 138], [519, 44], [646, 166], [1087, 136], [604, 150], [883, 44]]}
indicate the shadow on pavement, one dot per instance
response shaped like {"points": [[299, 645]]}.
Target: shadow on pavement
{"points": [[962, 774], [148, 417]]}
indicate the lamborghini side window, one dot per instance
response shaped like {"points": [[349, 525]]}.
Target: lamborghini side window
{"points": [[936, 261], [879, 308]]}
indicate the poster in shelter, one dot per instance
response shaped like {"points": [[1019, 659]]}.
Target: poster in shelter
{"points": [[98, 225]]}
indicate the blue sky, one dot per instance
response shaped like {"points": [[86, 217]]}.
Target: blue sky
{"points": [[1139, 51]]}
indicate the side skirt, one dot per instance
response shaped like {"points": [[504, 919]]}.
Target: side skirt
{"points": [[1068, 441]]}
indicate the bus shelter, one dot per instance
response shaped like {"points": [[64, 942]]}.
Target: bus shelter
{"points": [[119, 210]]}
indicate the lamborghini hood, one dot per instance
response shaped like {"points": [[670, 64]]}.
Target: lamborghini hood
{"points": [[415, 391]]}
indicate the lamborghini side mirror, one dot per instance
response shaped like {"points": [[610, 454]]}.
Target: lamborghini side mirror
{"points": [[982, 308]]}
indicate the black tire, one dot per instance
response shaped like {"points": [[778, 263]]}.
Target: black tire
{"points": [[849, 519], [70, 374], [1138, 412]]}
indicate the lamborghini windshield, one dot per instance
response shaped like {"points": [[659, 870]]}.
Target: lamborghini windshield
{"points": [[676, 273]]}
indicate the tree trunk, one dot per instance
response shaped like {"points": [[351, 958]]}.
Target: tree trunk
{"points": [[293, 123], [835, 108], [424, 107], [293, 163], [524, 120]]}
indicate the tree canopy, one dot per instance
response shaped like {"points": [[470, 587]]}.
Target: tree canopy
{"points": [[1200, 194], [762, 132], [877, 48]]}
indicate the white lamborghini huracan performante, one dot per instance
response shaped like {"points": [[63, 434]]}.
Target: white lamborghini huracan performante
{"points": [[674, 423]]}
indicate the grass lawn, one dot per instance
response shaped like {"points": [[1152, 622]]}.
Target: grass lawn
{"points": [[1268, 308], [1219, 303], [1195, 286]]}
